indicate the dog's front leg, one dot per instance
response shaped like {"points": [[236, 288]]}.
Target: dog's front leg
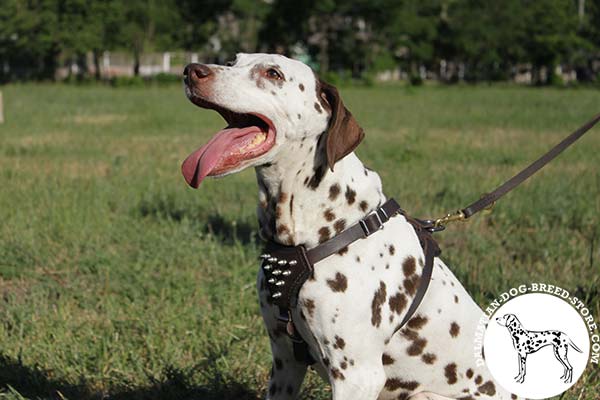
{"points": [[353, 361], [287, 373], [362, 382]]}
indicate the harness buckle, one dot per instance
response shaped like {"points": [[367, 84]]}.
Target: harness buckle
{"points": [[366, 229], [363, 225], [379, 220]]}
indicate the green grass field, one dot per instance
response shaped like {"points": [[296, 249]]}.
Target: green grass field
{"points": [[118, 281]]}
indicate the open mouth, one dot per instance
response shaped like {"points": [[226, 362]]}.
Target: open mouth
{"points": [[246, 137]]}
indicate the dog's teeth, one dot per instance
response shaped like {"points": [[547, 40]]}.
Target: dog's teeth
{"points": [[258, 139]]}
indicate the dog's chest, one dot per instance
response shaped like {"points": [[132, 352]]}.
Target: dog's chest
{"points": [[371, 283]]}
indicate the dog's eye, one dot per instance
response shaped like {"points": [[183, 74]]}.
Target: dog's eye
{"points": [[229, 63], [272, 73]]}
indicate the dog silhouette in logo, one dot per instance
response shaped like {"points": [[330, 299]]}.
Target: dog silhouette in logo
{"points": [[527, 342]]}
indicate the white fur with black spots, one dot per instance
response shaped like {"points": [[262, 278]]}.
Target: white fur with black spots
{"points": [[312, 186]]}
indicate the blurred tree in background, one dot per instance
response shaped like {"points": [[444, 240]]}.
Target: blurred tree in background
{"points": [[450, 40]]}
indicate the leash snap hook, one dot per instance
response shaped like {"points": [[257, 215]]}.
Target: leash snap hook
{"points": [[458, 215]]}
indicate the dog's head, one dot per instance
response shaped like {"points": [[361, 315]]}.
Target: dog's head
{"points": [[508, 320], [269, 102]]}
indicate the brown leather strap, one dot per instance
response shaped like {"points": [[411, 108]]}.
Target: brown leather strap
{"points": [[365, 227], [535, 166], [431, 250]]}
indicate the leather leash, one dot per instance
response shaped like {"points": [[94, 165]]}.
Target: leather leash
{"points": [[286, 268], [488, 200]]}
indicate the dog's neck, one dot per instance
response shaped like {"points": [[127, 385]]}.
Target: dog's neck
{"points": [[301, 201]]}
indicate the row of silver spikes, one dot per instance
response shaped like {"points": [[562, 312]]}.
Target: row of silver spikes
{"points": [[272, 260], [276, 282]]}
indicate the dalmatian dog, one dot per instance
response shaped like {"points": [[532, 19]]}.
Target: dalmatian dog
{"points": [[296, 132], [528, 342]]}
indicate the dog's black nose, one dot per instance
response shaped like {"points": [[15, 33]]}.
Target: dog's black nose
{"points": [[195, 73]]}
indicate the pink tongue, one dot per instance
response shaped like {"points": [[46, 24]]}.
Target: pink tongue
{"points": [[201, 162]]}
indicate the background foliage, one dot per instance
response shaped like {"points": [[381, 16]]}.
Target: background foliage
{"points": [[488, 39]]}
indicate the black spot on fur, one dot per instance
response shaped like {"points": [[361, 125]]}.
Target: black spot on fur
{"points": [[408, 266], [336, 373], [386, 359], [487, 388], [364, 206], [417, 322], [329, 215], [334, 191], [339, 343], [378, 300], [309, 305], [324, 234], [450, 373], [454, 329], [339, 283], [417, 347], [339, 225], [397, 383], [428, 358], [350, 195], [315, 180]]}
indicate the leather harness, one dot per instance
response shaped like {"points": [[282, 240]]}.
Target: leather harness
{"points": [[286, 268]]}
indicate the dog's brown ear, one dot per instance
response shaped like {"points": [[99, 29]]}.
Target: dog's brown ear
{"points": [[343, 133]]}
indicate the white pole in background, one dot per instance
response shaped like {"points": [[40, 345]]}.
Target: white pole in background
{"points": [[166, 64]]}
